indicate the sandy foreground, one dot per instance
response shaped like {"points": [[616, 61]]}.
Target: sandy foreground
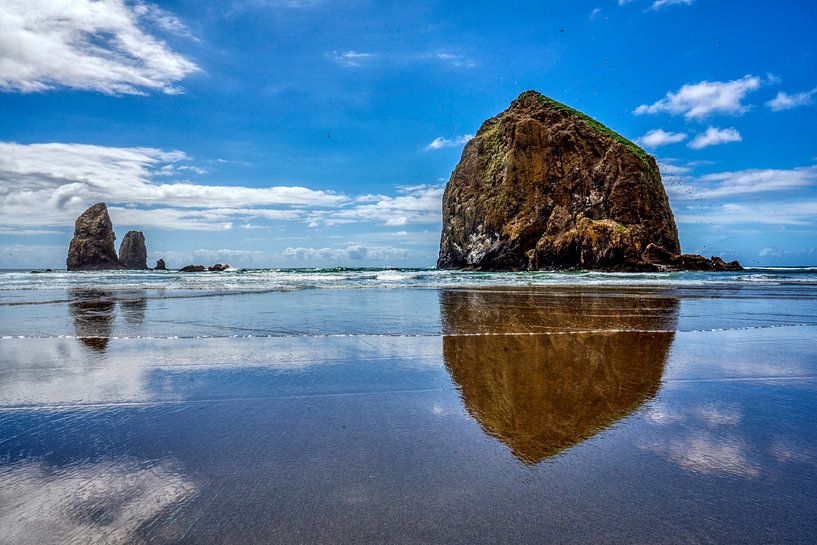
{"points": [[627, 415]]}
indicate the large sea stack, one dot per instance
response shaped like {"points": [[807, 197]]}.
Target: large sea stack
{"points": [[92, 247], [133, 253], [543, 186]]}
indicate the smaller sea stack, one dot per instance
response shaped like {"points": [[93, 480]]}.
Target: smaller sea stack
{"points": [[133, 254]]}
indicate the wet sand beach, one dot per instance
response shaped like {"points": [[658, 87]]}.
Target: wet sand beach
{"points": [[583, 414]]}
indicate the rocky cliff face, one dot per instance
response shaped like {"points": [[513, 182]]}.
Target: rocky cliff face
{"points": [[133, 253], [92, 247], [542, 186]]}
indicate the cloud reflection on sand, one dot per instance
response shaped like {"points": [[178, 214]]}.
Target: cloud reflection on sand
{"points": [[103, 502], [703, 438]]}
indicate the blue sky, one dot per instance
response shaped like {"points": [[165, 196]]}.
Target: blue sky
{"points": [[320, 133]]}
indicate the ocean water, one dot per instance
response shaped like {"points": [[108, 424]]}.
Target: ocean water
{"points": [[26, 285], [408, 406]]}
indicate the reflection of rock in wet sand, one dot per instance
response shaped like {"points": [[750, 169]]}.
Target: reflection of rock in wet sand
{"points": [[94, 312], [592, 360], [132, 306]]}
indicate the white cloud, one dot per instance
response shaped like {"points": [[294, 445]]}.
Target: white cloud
{"points": [[417, 204], [660, 137], [441, 142], [721, 185], [51, 184], [699, 100], [28, 232], [802, 253], [184, 219], [352, 252], [351, 59], [63, 179], [668, 169], [659, 4], [767, 213], [728, 184], [785, 101], [595, 13], [714, 136], [91, 45]]}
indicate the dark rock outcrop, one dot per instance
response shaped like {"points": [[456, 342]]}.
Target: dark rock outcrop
{"points": [[133, 253], [92, 247], [218, 267], [160, 265], [665, 261], [193, 268], [543, 186]]}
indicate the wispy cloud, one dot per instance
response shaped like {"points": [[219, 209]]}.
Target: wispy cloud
{"points": [[660, 137], [100, 46], [745, 182], [238, 6], [785, 101], [441, 142], [699, 100], [766, 213], [594, 14], [162, 19], [351, 59], [714, 136], [660, 4], [454, 59]]}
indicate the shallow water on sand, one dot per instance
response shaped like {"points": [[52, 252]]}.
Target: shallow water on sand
{"points": [[652, 414]]}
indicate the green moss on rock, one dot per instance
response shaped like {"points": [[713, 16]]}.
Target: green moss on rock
{"points": [[600, 127]]}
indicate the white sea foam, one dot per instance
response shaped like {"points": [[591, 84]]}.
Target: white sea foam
{"points": [[17, 286]]}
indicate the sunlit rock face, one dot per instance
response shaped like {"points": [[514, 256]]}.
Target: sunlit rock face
{"points": [[542, 373], [92, 247], [543, 186]]}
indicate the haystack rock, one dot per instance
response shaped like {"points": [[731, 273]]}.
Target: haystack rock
{"points": [[160, 265], [92, 247], [542, 186], [132, 252]]}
